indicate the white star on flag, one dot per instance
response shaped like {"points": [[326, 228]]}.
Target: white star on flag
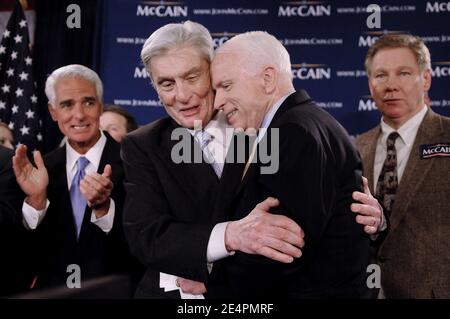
{"points": [[23, 76], [18, 38], [39, 137], [5, 88], [19, 92], [30, 114], [17, 89], [25, 130]]}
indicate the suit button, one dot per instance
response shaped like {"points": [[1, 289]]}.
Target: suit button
{"points": [[382, 259]]}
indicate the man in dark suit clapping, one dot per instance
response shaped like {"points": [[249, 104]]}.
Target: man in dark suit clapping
{"points": [[74, 196]]}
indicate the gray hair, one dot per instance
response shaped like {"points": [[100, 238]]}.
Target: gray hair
{"points": [[177, 35], [389, 41], [72, 71], [262, 48]]}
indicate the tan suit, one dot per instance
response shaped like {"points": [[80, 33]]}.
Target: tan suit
{"points": [[415, 255]]}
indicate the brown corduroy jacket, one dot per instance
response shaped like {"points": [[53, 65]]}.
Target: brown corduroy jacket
{"points": [[415, 255]]}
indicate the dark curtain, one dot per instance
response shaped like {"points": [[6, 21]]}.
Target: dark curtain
{"points": [[57, 45]]}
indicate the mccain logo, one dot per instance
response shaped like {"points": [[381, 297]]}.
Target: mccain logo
{"points": [[304, 71], [366, 104], [162, 9], [435, 150], [440, 69], [304, 9], [371, 37], [437, 6]]}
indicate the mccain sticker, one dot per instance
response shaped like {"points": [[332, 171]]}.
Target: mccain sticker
{"points": [[435, 150]]}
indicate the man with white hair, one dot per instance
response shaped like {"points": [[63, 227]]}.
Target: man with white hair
{"points": [[75, 194], [319, 169]]}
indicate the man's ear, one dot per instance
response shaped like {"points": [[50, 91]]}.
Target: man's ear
{"points": [[270, 79], [426, 80], [52, 112]]}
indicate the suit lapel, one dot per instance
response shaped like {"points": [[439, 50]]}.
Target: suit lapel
{"points": [[110, 155], [231, 179], [194, 178], [368, 155], [416, 169], [58, 178]]}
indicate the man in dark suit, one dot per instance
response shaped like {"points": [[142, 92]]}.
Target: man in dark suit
{"points": [[169, 205], [15, 270], [407, 162], [314, 170], [10, 194], [75, 194]]}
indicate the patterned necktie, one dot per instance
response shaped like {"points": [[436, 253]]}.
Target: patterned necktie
{"points": [[388, 181], [204, 139], [76, 197]]}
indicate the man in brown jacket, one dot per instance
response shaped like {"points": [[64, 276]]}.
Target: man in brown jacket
{"points": [[407, 161]]}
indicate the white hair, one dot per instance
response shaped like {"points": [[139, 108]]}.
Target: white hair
{"points": [[72, 71], [261, 48], [175, 35]]}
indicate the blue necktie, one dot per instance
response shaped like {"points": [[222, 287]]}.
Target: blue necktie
{"points": [[76, 197], [205, 139]]}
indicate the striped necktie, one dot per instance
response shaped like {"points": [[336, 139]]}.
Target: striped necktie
{"points": [[204, 138]]}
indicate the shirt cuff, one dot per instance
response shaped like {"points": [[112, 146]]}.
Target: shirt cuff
{"points": [[105, 222], [216, 245], [31, 216]]}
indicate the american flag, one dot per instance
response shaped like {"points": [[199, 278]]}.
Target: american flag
{"points": [[18, 100]]}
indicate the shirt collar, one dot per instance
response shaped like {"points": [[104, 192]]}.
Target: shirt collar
{"points": [[408, 130], [269, 116], [93, 155], [217, 124]]}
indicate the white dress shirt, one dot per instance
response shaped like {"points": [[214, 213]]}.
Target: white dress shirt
{"points": [[403, 144], [32, 217]]}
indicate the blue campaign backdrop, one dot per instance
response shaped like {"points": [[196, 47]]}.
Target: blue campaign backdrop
{"points": [[327, 41]]}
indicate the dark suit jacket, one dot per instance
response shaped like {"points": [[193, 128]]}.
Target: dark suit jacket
{"points": [[168, 209], [96, 253], [15, 273], [10, 194], [415, 255], [318, 171]]}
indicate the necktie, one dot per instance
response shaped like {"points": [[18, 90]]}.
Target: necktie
{"points": [[76, 197], [204, 139], [388, 181]]}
